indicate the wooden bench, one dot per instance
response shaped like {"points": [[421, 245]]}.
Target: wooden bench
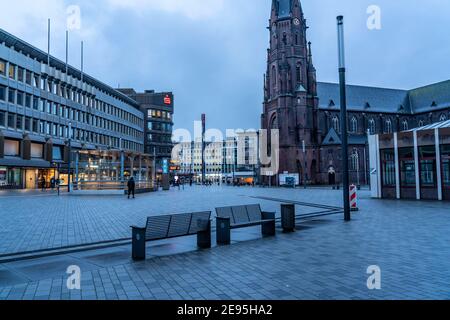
{"points": [[172, 226], [229, 218]]}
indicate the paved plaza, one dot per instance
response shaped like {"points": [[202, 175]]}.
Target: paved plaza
{"points": [[325, 259]]}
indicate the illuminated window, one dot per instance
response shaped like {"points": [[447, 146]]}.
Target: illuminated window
{"points": [[2, 67], [12, 71]]}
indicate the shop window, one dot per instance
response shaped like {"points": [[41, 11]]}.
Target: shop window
{"points": [[37, 151], [12, 148], [388, 167], [427, 166], [407, 167]]}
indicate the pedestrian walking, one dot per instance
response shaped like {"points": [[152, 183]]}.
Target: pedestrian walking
{"points": [[131, 187]]}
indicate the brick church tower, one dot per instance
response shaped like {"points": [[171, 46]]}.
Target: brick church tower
{"points": [[290, 90]]}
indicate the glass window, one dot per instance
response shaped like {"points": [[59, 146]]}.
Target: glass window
{"points": [[11, 121], [28, 101], [28, 77], [407, 167], [19, 122], [2, 118], [20, 98], [35, 126], [12, 148], [12, 71], [2, 67], [2, 93], [57, 153], [427, 166], [20, 72], [11, 96], [27, 124], [37, 151]]}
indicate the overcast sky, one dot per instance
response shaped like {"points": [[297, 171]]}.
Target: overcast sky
{"points": [[212, 53]]}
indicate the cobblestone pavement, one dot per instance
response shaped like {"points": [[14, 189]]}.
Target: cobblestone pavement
{"points": [[34, 221], [325, 259]]}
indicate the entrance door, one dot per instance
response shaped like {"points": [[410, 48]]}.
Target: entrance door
{"points": [[30, 179]]}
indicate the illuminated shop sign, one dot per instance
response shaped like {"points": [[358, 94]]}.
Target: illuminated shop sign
{"points": [[167, 100]]}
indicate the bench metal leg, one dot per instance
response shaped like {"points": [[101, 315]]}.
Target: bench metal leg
{"points": [[138, 244], [204, 238], [223, 232], [268, 228]]}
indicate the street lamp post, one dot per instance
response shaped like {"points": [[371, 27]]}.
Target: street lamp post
{"points": [[70, 157], [345, 176]]}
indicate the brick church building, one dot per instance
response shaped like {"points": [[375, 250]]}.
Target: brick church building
{"points": [[305, 110]]}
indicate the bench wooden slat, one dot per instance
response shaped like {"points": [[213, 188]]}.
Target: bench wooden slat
{"points": [[179, 225], [240, 214], [157, 227], [254, 212], [225, 213], [199, 222]]}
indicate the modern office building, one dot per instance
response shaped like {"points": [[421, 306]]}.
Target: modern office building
{"points": [[413, 164], [158, 109], [50, 110], [232, 160]]}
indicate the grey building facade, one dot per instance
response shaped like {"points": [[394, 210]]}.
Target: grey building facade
{"points": [[45, 104]]}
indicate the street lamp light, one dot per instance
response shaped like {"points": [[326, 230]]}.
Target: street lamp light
{"points": [[345, 176]]}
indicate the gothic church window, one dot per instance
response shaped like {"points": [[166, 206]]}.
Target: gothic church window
{"points": [[335, 123], [405, 125], [443, 117], [354, 125], [388, 126], [372, 126]]}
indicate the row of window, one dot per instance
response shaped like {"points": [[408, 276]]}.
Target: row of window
{"points": [[18, 122], [29, 101], [159, 114], [372, 127], [159, 126], [151, 137], [25, 76], [407, 165]]}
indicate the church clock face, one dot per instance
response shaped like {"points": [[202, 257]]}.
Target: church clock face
{"points": [[296, 22]]}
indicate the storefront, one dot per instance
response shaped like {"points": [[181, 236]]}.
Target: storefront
{"points": [[413, 164]]}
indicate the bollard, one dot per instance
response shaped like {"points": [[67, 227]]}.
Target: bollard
{"points": [[353, 198]]}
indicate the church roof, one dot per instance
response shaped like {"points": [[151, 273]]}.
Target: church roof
{"points": [[372, 99]]}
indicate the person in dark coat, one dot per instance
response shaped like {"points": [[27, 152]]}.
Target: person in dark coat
{"points": [[131, 187]]}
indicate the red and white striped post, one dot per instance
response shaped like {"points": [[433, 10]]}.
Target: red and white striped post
{"points": [[353, 198]]}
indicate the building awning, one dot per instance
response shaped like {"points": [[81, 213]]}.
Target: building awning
{"points": [[17, 162], [439, 125]]}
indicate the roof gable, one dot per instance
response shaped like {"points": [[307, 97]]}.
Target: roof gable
{"points": [[332, 138]]}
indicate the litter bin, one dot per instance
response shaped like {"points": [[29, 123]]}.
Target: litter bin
{"points": [[288, 217], [138, 243]]}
